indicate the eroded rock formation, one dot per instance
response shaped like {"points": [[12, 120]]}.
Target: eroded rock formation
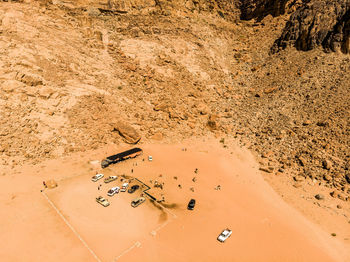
{"points": [[260, 8], [316, 23]]}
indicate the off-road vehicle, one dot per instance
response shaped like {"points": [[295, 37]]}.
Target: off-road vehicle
{"points": [[96, 177], [101, 200], [113, 191], [191, 204], [110, 179], [133, 189], [138, 201], [225, 234]]}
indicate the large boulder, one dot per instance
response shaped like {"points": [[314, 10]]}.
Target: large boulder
{"points": [[129, 133]]}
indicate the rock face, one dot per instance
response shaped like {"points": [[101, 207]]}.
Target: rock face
{"points": [[316, 23], [260, 8], [225, 9]]}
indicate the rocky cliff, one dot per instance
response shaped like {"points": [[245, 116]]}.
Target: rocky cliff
{"points": [[223, 8], [259, 8], [312, 23], [318, 23]]}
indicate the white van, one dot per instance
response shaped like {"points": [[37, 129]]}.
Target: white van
{"points": [[124, 187]]}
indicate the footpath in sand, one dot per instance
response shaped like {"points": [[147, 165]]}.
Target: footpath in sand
{"points": [[66, 223]]}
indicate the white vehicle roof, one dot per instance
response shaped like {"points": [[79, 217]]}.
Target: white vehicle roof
{"points": [[125, 184], [226, 232], [114, 188]]}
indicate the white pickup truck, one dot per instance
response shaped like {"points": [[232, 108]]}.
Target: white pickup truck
{"points": [[96, 177], [113, 191]]}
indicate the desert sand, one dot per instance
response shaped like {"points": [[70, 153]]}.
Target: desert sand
{"points": [[66, 223]]}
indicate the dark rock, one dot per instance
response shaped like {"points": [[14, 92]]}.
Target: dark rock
{"points": [[334, 193], [301, 160], [298, 178], [319, 197], [260, 8], [266, 169], [307, 122], [327, 164], [322, 123], [342, 196], [347, 177], [316, 23]]}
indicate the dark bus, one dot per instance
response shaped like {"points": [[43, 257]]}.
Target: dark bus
{"points": [[132, 153]]}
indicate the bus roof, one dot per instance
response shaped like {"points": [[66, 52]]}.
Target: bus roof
{"points": [[125, 153]]}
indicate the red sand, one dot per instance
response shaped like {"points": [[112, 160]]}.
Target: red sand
{"points": [[264, 227]]}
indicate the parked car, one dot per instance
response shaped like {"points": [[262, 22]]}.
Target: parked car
{"points": [[124, 187], [150, 158], [101, 200], [96, 177], [138, 201], [113, 190], [110, 179], [133, 189], [224, 235], [191, 204]]}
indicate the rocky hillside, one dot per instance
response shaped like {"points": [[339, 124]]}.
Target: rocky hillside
{"points": [[76, 75]]}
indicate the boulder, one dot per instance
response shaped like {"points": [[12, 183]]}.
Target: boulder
{"points": [[29, 79], [299, 178], [212, 122], [327, 164], [129, 133], [319, 197], [265, 169]]}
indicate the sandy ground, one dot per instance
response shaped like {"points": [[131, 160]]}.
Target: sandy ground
{"points": [[69, 225]]}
